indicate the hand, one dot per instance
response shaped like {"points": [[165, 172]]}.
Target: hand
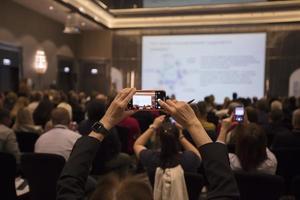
{"points": [[227, 124], [158, 121], [117, 109], [181, 111]]}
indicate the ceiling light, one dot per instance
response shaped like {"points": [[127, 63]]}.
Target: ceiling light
{"points": [[51, 7], [82, 23], [72, 25]]}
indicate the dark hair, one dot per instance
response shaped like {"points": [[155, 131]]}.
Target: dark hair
{"points": [[202, 107], [252, 114], [251, 145], [60, 116], [276, 116], [95, 109], [169, 155], [41, 114]]}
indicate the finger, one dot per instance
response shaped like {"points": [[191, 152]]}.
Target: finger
{"points": [[129, 96], [124, 93], [165, 106], [171, 103]]}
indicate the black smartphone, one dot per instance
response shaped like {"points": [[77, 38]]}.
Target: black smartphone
{"points": [[147, 100], [239, 113]]}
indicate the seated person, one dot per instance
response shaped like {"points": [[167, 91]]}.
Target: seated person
{"points": [[8, 142], [251, 152], [60, 139], [275, 125], [289, 139], [24, 122], [169, 155], [214, 155]]}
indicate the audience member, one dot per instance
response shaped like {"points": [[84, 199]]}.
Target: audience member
{"points": [[262, 109], [251, 152], [201, 113], [35, 98], [289, 139], [60, 139], [275, 125], [276, 105], [24, 122], [169, 155], [216, 166], [8, 142], [252, 114], [22, 102], [42, 113], [10, 100]]}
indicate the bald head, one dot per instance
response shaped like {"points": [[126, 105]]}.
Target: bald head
{"points": [[296, 118], [60, 116]]}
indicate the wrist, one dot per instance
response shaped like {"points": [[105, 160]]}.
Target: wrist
{"points": [[98, 136], [153, 127], [106, 123], [194, 123]]}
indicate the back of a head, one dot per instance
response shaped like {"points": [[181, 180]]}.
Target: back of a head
{"points": [[276, 115], [202, 107], [168, 135], [96, 109], [60, 116], [130, 188], [276, 105], [251, 146], [296, 119], [24, 117], [262, 105], [252, 114]]}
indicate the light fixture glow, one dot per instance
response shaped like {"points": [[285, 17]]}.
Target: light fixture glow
{"points": [[67, 69], [51, 7], [40, 62], [94, 71], [6, 61]]}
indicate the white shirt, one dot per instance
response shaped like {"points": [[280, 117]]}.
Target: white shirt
{"points": [[59, 140], [267, 166]]}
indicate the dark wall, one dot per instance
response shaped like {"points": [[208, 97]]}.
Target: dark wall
{"points": [[282, 53]]}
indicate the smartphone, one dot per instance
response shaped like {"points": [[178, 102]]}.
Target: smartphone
{"points": [[146, 100], [239, 113]]}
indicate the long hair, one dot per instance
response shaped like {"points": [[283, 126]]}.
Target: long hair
{"points": [[251, 146], [169, 155]]}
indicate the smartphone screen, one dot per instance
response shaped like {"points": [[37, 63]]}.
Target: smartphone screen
{"points": [[146, 100], [239, 113]]}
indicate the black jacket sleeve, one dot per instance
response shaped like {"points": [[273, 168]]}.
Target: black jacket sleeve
{"points": [[222, 184], [71, 184]]}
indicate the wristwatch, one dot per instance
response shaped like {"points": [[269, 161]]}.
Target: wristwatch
{"points": [[98, 127]]}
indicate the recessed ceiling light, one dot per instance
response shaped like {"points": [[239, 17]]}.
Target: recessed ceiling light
{"points": [[51, 7]]}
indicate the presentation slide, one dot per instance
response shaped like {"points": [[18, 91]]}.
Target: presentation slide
{"points": [[194, 66]]}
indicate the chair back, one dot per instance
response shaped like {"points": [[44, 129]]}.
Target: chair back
{"points": [[288, 163], [194, 183], [259, 186], [42, 172], [7, 176], [295, 188], [26, 141]]}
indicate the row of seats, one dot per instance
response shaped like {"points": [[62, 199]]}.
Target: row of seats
{"points": [[43, 170]]}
